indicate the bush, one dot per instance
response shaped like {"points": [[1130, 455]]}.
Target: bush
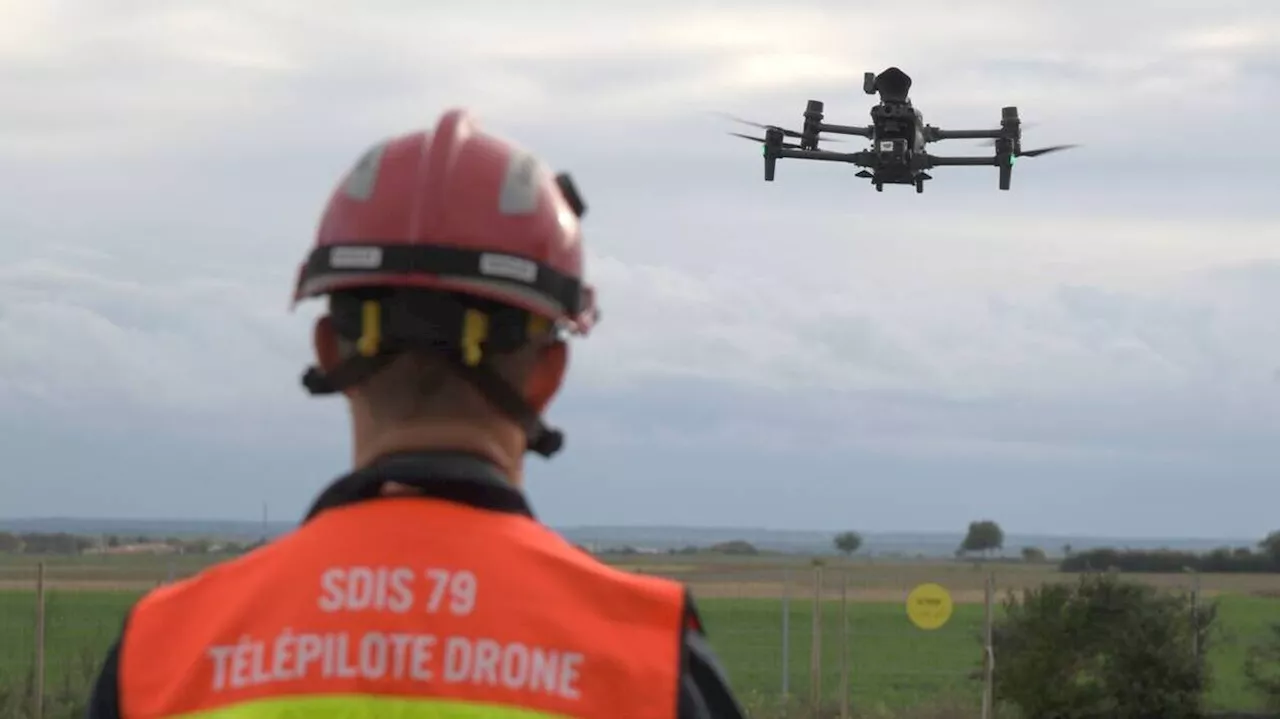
{"points": [[737, 547], [1033, 555], [1262, 667], [1101, 648]]}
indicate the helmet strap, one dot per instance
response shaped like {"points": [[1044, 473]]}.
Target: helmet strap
{"points": [[539, 438], [352, 371]]}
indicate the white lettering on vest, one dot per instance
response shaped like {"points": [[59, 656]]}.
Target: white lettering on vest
{"points": [[513, 666], [345, 658], [375, 656], [358, 589]]}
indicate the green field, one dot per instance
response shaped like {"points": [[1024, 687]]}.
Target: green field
{"points": [[891, 664]]}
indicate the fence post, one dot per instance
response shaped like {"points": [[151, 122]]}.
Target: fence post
{"points": [[37, 685], [1195, 615], [844, 644], [988, 651], [786, 635], [815, 658]]}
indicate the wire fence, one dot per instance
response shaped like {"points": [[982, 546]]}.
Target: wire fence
{"points": [[839, 641], [798, 642]]}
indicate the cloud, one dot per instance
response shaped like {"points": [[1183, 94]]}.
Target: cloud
{"points": [[164, 166]]}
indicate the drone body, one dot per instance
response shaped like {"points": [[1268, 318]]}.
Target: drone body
{"points": [[899, 138]]}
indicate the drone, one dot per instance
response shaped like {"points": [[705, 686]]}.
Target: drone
{"points": [[899, 139]]}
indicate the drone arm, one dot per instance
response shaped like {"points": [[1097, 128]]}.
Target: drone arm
{"points": [[940, 134], [862, 159], [859, 130], [988, 161]]}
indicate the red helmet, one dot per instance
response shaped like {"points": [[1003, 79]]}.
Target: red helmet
{"points": [[434, 239]]}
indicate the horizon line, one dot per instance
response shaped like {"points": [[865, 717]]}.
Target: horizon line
{"points": [[720, 528]]}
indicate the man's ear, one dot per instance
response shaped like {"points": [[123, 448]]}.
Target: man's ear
{"points": [[325, 341], [547, 375]]}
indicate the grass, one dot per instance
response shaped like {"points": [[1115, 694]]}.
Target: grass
{"points": [[892, 665]]}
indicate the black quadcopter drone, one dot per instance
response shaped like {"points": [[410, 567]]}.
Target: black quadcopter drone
{"points": [[898, 154]]}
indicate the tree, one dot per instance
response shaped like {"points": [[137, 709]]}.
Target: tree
{"points": [[1066, 549], [10, 543], [1102, 647], [983, 536], [1271, 546], [848, 543], [1033, 554]]}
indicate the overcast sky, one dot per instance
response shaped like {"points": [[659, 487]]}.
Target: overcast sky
{"points": [[1094, 352]]}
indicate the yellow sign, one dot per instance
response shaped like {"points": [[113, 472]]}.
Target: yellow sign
{"points": [[929, 606]]}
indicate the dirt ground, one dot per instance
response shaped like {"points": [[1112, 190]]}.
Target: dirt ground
{"points": [[81, 585], [747, 578]]}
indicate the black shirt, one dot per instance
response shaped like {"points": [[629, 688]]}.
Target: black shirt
{"points": [[704, 688]]}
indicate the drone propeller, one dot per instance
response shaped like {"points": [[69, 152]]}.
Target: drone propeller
{"points": [[1044, 150], [785, 131], [1036, 152], [1024, 126], [762, 141]]}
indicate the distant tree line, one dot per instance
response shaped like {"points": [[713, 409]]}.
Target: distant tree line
{"points": [[1264, 558], [734, 547], [42, 543], [54, 543]]}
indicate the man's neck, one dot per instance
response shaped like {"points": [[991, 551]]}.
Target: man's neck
{"points": [[504, 452]]}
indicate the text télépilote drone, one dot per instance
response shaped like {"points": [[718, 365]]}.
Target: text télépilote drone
{"points": [[899, 136]]}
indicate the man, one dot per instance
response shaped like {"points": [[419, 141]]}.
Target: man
{"points": [[420, 585]]}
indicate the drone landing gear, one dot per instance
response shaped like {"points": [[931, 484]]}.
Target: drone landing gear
{"points": [[919, 185], [879, 187]]}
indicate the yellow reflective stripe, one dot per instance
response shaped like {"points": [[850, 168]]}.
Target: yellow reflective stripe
{"points": [[365, 706]]}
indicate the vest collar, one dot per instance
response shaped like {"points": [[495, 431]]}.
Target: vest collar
{"points": [[452, 476]]}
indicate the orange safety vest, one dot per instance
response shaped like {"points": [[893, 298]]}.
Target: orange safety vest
{"points": [[407, 608]]}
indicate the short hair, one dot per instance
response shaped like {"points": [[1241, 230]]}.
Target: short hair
{"points": [[411, 386]]}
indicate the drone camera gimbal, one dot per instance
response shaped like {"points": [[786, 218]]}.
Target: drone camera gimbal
{"points": [[893, 84]]}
